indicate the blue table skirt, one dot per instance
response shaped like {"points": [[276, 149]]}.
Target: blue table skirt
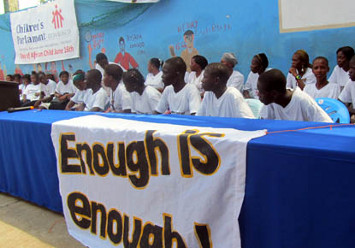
{"points": [[300, 185]]}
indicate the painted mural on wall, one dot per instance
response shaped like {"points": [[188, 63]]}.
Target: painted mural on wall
{"points": [[184, 28]]}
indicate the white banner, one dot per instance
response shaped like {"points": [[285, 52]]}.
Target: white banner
{"points": [[126, 183], [46, 33]]}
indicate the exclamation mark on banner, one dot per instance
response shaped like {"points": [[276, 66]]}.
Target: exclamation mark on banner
{"points": [[203, 235]]}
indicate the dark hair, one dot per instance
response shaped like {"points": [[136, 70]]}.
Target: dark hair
{"points": [[178, 64], [262, 58], [34, 73], [121, 39], [78, 71], [63, 73], [219, 70], [157, 63], [17, 76], [41, 73], [50, 76], [115, 71], [304, 58], [321, 58], [201, 61], [273, 79], [11, 77], [188, 32], [347, 51], [27, 76], [100, 56], [96, 74], [133, 76]]}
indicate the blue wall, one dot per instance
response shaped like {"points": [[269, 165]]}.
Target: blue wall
{"points": [[242, 27]]}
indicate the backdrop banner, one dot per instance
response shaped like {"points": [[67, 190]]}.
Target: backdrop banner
{"points": [[46, 33], [128, 183]]}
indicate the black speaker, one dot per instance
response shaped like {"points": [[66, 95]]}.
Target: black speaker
{"points": [[9, 95]]}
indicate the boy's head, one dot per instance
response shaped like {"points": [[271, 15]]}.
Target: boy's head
{"points": [[113, 75], [174, 70], [215, 76], [352, 69], [198, 62], [93, 79], [26, 79], [17, 78], [79, 80], [102, 60], [300, 60], [64, 77], [344, 55], [133, 80], [320, 68], [229, 60], [34, 78], [154, 63], [42, 77], [271, 85]]}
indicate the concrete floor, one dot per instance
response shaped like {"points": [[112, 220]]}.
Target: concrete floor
{"points": [[23, 224]]}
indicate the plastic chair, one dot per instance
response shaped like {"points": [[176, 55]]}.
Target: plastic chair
{"points": [[337, 111], [255, 106]]}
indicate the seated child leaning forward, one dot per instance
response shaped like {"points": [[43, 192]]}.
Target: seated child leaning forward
{"points": [[220, 100], [286, 104]]}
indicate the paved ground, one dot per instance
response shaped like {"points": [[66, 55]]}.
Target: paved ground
{"points": [[24, 225]]}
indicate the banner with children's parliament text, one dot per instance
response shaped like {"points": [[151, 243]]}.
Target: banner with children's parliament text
{"points": [[45, 33], [128, 183]]}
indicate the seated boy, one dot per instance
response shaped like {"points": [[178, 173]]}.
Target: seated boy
{"points": [[120, 99], [347, 96], [322, 88], [64, 91], [285, 104], [98, 100], [220, 100], [48, 87], [77, 100], [145, 98], [178, 97]]}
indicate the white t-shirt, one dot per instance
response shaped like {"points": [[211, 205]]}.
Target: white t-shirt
{"points": [[348, 93], [49, 88], [186, 101], [230, 104], [251, 84], [197, 81], [302, 107], [80, 96], [97, 100], [330, 91], [120, 99], [236, 80], [308, 78], [31, 91], [68, 88], [155, 81], [339, 76], [147, 102]]}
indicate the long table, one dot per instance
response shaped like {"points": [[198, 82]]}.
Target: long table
{"points": [[300, 185]]}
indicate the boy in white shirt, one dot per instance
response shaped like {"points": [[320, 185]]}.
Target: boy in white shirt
{"points": [[77, 100], [198, 65], [220, 100], [48, 87], [154, 76], [32, 93], [322, 88], [340, 74], [285, 104], [347, 96], [64, 91], [97, 101], [236, 79], [145, 98], [120, 99], [178, 97]]}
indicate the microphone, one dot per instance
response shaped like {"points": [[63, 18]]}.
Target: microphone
{"points": [[10, 110]]}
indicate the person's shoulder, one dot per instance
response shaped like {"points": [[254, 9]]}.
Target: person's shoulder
{"points": [[236, 74], [151, 90], [232, 91]]}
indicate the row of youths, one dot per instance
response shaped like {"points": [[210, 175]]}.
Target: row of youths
{"points": [[257, 60]]}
